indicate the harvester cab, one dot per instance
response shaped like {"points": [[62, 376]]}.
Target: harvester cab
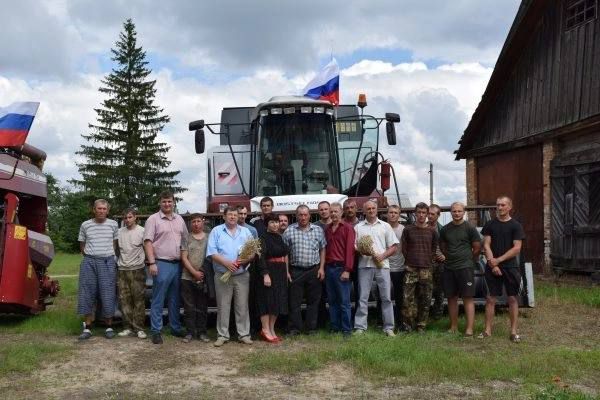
{"points": [[296, 150]]}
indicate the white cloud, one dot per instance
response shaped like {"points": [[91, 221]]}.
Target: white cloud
{"points": [[67, 108]]}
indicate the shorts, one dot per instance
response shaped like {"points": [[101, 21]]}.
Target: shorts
{"points": [[458, 282], [510, 279]]}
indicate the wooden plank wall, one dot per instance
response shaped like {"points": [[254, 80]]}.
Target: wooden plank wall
{"points": [[517, 174], [556, 82]]}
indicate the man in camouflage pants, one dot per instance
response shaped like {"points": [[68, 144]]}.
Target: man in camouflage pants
{"points": [[132, 275], [437, 308], [419, 243]]}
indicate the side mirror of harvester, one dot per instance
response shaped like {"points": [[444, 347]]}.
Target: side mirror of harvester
{"points": [[390, 129], [199, 141]]}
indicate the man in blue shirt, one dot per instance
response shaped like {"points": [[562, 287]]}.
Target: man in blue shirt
{"points": [[224, 244]]}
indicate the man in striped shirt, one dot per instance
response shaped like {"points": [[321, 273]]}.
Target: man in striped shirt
{"points": [[98, 271]]}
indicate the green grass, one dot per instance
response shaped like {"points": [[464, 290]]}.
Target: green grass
{"points": [[555, 393], [59, 318], [27, 356], [433, 357], [65, 264], [569, 294]]}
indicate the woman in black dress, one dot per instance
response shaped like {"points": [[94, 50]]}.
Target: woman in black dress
{"points": [[271, 291]]}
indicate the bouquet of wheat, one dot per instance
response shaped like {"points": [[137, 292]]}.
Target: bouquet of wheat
{"points": [[364, 246], [250, 249]]}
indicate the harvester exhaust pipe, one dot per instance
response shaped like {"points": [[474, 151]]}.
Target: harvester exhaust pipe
{"points": [[36, 155]]}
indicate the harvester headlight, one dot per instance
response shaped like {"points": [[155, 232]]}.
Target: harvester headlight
{"points": [[329, 111], [319, 110], [289, 110], [264, 113], [305, 110], [275, 111]]}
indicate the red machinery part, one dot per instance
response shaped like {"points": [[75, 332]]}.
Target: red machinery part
{"points": [[385, 175]]}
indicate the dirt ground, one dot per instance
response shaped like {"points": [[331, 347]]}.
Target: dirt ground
{"points": [[132, 368]]}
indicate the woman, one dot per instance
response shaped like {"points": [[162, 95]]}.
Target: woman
{"points": [[272, 298]]}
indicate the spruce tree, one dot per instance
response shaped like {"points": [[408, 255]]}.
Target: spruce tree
{"points": [[124, 163]]}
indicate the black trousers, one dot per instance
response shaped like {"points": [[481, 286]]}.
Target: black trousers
{"points": [[195, 306], [398, 295], [304, 283]]}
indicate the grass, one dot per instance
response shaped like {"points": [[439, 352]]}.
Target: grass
{"points": [[551, 392], [566, 293], [433, 357], [65, 264], [27, 356]]}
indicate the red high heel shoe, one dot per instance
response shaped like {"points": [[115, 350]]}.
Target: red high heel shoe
{"points": [[266, 338]]}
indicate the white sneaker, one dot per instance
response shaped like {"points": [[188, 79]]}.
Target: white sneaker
{"points": [[142, 335], [124, 333], [389, 333]]}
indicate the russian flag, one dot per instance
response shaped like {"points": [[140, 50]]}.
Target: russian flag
{"points": [[326, 85], [15, 121]]}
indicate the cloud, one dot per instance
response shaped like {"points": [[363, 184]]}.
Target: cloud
{"points": [[61, 39], [433, 104]]}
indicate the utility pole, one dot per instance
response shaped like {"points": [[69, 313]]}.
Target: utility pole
{"points": [[430, 183]]}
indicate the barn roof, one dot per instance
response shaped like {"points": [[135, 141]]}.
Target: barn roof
{"points": [[521, 31]]}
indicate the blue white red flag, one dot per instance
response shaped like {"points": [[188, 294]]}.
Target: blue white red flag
{"points": [[326, 85], [15, 121]]}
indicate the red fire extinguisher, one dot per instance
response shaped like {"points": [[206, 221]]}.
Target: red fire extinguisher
{"points": [[385, 175]]}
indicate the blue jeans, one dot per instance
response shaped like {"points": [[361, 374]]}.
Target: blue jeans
{"points": [[166, 285], [338, 297]]}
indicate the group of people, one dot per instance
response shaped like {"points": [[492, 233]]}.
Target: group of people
{"points": [[297, 263]]}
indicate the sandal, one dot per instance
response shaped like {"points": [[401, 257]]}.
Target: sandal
{"points": [[515, 338], [468, 336], [483, 335]]}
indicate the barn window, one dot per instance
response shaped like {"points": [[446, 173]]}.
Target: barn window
{"points": [[578, 12]]}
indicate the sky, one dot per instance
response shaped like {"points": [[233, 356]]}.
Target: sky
{"points": [[428, 61]]}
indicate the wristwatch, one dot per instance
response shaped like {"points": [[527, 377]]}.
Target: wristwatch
{"points": [[148, 263]]}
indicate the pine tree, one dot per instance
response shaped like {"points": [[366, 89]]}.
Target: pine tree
{"points": [[123, 161]]}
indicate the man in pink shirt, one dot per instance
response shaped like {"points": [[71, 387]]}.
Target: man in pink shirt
{"points": [[163, 234]]}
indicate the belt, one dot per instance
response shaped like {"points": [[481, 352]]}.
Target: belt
{"points": [[276, 259], [168, 261], [305, 268]]}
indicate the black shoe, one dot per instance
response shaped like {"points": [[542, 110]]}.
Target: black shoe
{"points": [[313, 332], [157, 338], [293, 332]]}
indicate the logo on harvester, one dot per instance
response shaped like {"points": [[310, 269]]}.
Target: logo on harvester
{"points": [[469, 283], [20, 232]]}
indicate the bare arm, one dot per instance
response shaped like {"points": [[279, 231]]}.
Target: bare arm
{"points": [[116, 247], [190, 268], [444, 248], [487, 242], [152, 267], [321, 272], [476, 250], [81, 247]]}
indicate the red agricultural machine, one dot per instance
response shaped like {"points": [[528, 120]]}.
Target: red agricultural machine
{"points": [[25, 249]]}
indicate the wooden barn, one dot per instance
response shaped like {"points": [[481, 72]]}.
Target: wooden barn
{"points": [[535, 135]]}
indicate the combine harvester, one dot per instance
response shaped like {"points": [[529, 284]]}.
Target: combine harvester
{"points": [[296, 150], [25, 249]]}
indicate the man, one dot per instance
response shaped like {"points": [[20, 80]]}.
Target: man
{"points": [[224, 244], [502, 239], [377, 266], [242, 215], [164, 232], [437, 292], [351, 218], [307, 269], [194, 288], [97, 274], [132, 275], [396, 263], [284, 222], [419, 243], [461, 245], [339, 262], [324, 215], [350, 212], [324, 221], [266, 207]]}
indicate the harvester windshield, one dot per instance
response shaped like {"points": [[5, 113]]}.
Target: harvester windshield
{"points": [[297, 155]]}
